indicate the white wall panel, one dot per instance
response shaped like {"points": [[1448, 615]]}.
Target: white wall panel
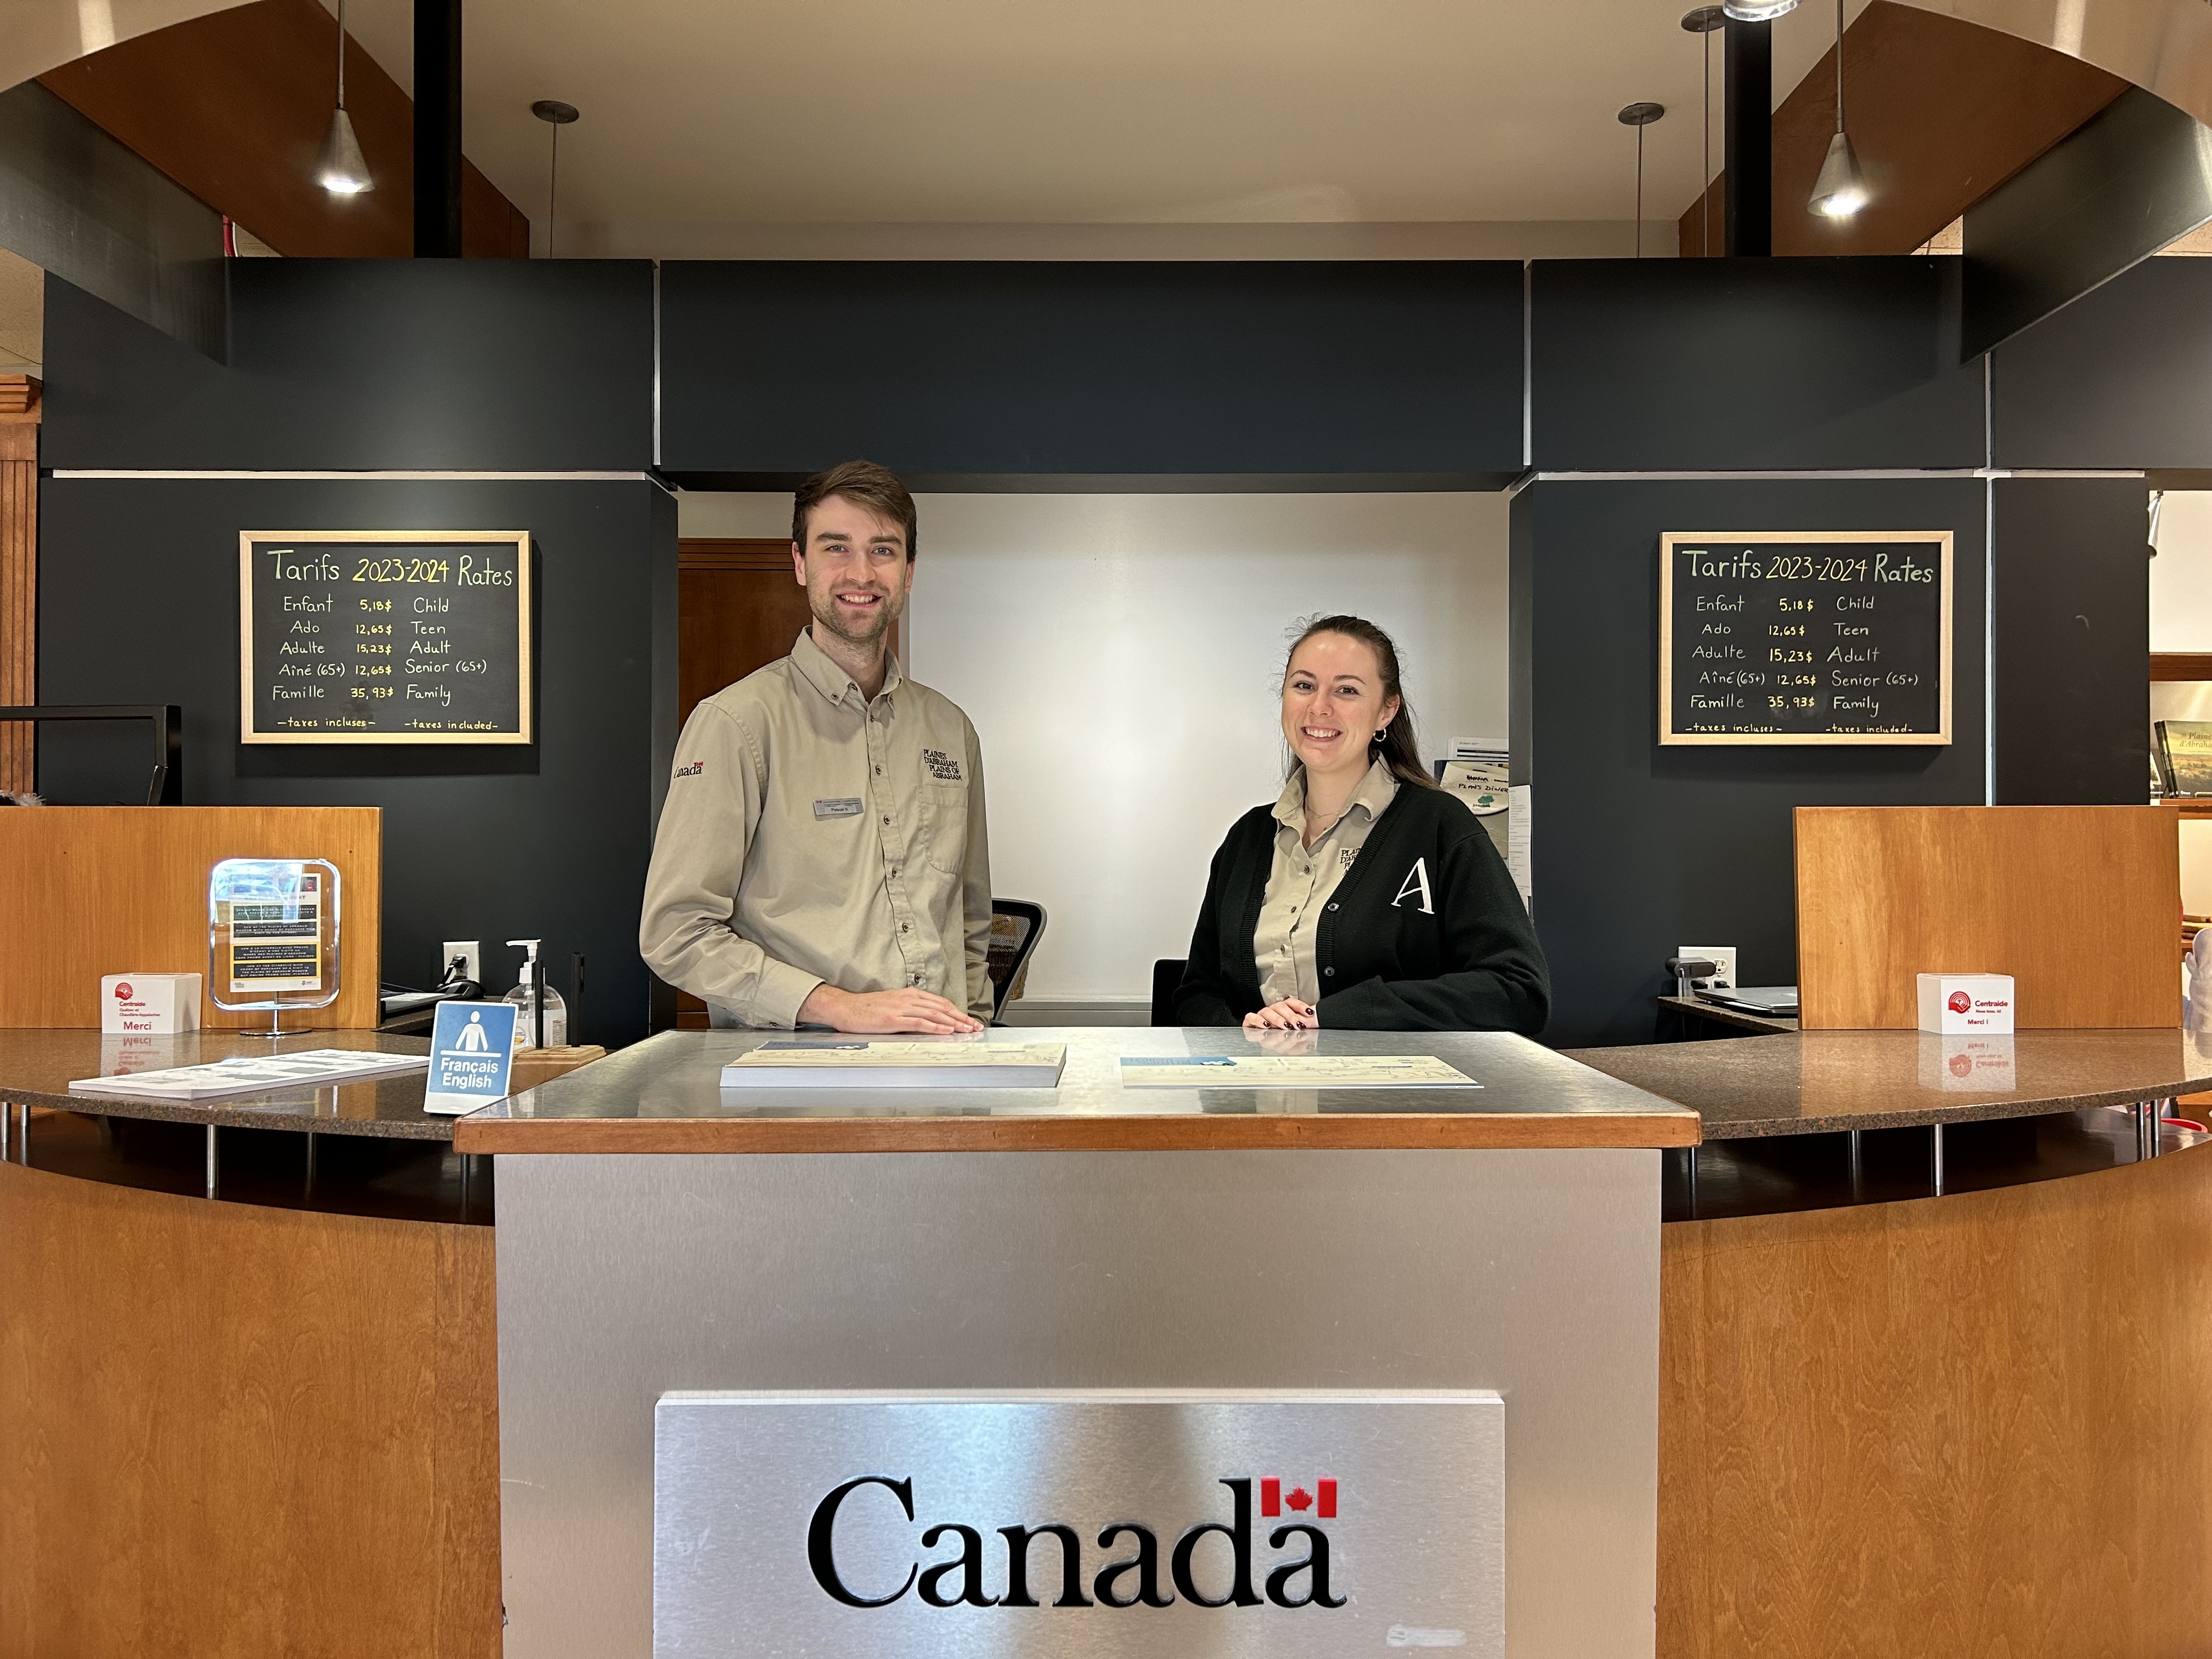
{"points": [[1120, 655]]}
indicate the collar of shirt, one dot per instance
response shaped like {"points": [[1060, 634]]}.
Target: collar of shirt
{"points": [[831, 681], [1376, 791]]}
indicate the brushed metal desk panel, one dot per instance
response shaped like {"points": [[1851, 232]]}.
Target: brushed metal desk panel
{"points": [[1532, 1273]]}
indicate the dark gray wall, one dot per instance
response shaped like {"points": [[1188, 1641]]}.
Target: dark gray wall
{"points": [[1035, 375], [2072, 614], [1640, 849], [348, 366], [1667, 365], [453, 365], [2121, 377]]}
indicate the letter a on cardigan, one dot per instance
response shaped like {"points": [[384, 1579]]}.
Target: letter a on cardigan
{"points": [[1416, 886]]}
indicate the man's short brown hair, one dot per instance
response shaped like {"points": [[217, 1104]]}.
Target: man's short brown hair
{"points": [[863, 483]]}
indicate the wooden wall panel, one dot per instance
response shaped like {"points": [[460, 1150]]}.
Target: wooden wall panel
{"points": [[2077, 903], [233, 106], [1954, 1425], [19, 574], [234, 1432], [1941, 111], [89, 890]]}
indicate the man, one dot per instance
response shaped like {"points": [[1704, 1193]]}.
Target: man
{"points": [[820, 859]]}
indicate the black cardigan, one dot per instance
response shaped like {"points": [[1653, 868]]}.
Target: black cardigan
{"points": [[1426, 933]]}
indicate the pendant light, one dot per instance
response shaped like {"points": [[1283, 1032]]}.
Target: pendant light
{"points": [[1841, 189], [1639, 116], [1756, 11], [1703, 21], [556, 114], [341, 168]]}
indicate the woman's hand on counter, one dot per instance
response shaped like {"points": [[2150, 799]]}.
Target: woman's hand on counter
{"points": [[1288, 1015], [1284, 1043], [879, 1013]]}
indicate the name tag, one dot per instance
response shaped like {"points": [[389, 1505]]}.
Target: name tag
{"points": [[847, 807]]}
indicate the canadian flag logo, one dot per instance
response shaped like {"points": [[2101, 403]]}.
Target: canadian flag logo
{"points": [[1321, 1500]]}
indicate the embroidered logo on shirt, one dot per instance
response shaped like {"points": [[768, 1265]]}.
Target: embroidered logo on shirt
{"points": [[692, 770], [943, 768], [1416, 886], [846, 806]]}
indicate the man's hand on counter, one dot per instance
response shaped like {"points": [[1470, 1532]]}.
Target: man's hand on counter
{"points": [[881, 1012]]}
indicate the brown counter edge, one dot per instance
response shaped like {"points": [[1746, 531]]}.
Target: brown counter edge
{"points": [[1513, 1130]]}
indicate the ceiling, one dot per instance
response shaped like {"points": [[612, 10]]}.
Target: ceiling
{"points": [[700, 119]]}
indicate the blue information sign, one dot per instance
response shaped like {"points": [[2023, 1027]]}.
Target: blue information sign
{"points": [[471, 1048]]}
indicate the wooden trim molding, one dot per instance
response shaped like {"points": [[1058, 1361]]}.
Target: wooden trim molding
{"points": [[20, 415], [1069, 1132], [2172, 666], [770, 553]]}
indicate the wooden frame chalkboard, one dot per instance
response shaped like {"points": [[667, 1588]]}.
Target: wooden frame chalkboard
{"points": [[385, 636], [1766, 638]]}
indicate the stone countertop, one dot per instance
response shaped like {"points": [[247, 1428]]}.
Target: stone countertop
{"points": [[1816, 1082], [664, 1095], [36, 1067]]}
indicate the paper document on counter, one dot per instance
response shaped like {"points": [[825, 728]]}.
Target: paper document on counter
{"points": [[254, 1074], [865, 1065], [1292, 1071]]}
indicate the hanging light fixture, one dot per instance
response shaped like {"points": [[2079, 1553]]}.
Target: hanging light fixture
{"points": [[1703, 21], [1639, 116], [557, 114], [1756, 11], [341, 169], [1841, 189]]}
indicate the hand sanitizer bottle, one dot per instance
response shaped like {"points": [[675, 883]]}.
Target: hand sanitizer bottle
{"points": [[525, 998]]}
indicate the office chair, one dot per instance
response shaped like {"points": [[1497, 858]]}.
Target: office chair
{"points": [[1015, 927], [1167, 975]]}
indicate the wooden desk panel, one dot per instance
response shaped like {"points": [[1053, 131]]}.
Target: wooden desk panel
{"points": [[90, 890], [1966, 1424], [2077, 903], [243, 1431]]}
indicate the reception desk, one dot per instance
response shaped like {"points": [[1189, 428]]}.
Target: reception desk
{"points": [[1778, 1386], [1076, 1247]]}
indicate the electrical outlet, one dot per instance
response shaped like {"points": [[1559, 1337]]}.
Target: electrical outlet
{"points": [[470, 950], [1722, 956]]}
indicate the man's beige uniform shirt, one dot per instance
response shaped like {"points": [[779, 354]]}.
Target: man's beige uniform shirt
{"points": [[1301, 880], [811, 834]]}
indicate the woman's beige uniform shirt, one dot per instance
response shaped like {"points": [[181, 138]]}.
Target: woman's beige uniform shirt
{"points": [[811, 834], [1302, 879]]}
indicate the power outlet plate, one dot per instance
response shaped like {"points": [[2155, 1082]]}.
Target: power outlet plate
{"points": [[1722, 955], [470, 950]]}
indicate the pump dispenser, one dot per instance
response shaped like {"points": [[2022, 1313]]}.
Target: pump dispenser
{"points": [[526, 997]]}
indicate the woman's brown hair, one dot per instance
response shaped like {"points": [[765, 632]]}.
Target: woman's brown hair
{"points": [[1397, 747]]}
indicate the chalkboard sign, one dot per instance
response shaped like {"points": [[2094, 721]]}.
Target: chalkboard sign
{"points": [[383, 636], [1805, 637]]}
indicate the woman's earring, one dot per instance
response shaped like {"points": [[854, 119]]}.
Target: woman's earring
{"points": [[1383, 733]]}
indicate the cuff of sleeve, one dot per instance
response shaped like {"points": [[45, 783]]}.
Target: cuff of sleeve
{"points": [[782, 989]]}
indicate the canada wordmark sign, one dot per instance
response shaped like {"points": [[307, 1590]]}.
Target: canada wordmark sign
{"points": [[1292, 1526]]}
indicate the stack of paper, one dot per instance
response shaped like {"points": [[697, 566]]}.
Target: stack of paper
{"points": [[1292, 1071], [254, 1074], [858, 1063]]}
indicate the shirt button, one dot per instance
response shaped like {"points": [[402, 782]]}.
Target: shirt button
{"points": [[901, 927], [886, 820], [879, 771], [1332, 906], [1331, 972]]}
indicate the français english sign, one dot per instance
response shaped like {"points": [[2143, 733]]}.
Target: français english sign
{"points": [[1078, 1526]]}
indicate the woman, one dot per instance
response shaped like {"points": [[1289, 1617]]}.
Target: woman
{"points": [[1365, 898]]}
